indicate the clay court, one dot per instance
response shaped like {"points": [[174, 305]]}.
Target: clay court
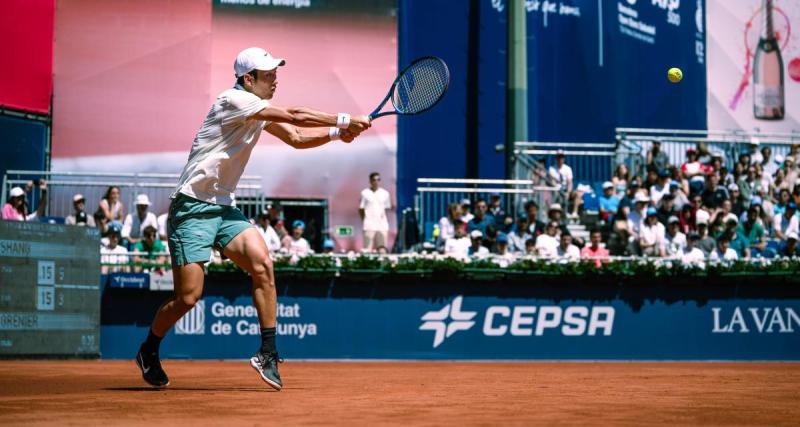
{"points": [[412, 393]]}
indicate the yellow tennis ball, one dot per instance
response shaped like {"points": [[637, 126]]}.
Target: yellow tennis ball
{"points": [[675, 75]]}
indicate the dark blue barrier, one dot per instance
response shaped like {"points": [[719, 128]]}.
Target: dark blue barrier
{"points": [[525, 318]]}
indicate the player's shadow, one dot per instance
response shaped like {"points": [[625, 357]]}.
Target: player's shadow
{"points": [[191, 389]]}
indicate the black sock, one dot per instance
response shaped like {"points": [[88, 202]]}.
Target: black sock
{"points": [[152, 342], [268, 340]]}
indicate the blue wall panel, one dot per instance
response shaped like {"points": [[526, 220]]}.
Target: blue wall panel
{"points": [[432, 144], [22, 144]]}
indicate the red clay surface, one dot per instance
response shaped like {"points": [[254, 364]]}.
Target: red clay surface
{"points": [[439, 393]]}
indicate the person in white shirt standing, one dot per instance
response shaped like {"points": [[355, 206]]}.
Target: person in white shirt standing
{"points": [[270, 235], [203, 215], [375, 201], [134, 224]]}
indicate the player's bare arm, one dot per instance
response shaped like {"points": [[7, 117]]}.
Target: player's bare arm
{"points": [[308, 118], [302, 138]]}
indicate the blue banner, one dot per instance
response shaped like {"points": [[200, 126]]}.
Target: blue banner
{"points": [[335, 321]]}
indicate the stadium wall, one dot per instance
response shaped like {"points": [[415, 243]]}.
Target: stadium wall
{"points": [[373, 316]]}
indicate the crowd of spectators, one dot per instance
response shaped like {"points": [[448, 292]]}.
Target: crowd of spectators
{"points": [[695, 211]]}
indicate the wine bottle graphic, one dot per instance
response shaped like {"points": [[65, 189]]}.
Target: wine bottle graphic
{"points": [[768, 99]]}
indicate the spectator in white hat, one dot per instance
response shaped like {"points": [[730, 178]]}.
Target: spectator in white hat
{"points": [[675, 240], [790, 248], [79, 215], [134, 224], [737, 204], [477, 248], [466, 211], [609, 202], [16, 208]]}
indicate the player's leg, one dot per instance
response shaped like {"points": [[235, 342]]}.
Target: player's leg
{"points": [[188, 281], [245, 246], [249, 251], [192, 227]]}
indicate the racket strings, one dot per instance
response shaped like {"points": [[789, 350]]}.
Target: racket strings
{"points": [[421, 86]]}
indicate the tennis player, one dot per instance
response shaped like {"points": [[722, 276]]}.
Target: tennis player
{"points": [[202, 213]]}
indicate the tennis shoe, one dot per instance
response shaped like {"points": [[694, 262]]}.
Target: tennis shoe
{"points": [[266, 364], [152, 373]]}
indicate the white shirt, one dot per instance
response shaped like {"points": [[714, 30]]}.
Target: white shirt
{"points": [[457, 247], [694, 256], [162, 224], [516, 241], [675, 244], [547, 245], [134, 227], [730, 255], [635, 221], [299, 246], [270, 238], [652, 237], [222, 148], [779, 222], [572, 252], [446, 229], [656, 193], [560, 175], [482, 251], [118, 255], [375, 204]]}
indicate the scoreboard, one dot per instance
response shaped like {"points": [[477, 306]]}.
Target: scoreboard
{"points": [[49, 290]]}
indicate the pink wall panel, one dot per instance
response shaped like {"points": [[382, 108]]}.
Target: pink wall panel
{"points": [[130, 76], [26, 65]]}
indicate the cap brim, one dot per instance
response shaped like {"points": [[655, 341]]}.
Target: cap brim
{"points": [[269, 63]]}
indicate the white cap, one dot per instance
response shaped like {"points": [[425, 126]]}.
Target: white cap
{"points": [[733, 187], [77, 197], [731, 217], [791, 235], [16, 192], [673, 220], [608, 184], [255, 58], [142, 199], [476, 234], [555, 207], [641, 198], [755, 141], [702, 217]]}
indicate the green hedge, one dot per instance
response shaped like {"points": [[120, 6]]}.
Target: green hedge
{"points": [[427, 265]]}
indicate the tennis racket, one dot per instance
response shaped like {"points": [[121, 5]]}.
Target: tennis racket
{"points": [[417, 89]]}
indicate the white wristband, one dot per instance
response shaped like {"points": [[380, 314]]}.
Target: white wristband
{"points": [[333, 133], [343, 121]]}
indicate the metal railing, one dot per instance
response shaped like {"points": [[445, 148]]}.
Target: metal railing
{"points": [[62, 186], [729, 143], [591, 162], [435, 194]]}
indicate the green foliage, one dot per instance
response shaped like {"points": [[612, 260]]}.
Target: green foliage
{"points": [[426, 264]]}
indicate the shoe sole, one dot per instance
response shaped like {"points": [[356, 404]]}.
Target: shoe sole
{"points": [[139, 365], [273, 384]]}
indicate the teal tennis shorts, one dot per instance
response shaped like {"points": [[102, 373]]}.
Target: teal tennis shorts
{"points": [[194, 227]]}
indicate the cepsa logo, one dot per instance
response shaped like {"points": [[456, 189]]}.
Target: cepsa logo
{"points": [[519, 320]]}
